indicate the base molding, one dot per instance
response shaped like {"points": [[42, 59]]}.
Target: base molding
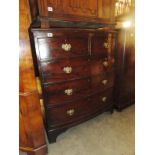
{"points": [[52, 134], [42, 150]]}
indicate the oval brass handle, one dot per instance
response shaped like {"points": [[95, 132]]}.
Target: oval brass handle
{"points": [[106, 45], [105, 63], [104, 99], [66, 47], [67, 69], [68, 92], [104, 82], [70, 112]]}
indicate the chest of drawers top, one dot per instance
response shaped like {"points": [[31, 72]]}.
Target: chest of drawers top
{"points": [[65, 43]]}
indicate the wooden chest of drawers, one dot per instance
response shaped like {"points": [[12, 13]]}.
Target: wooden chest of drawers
{"points": [[76, 68]]}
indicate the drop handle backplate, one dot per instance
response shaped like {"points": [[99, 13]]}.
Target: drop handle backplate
{"points": [[70, 112], [68, 92], [104, 82], [66, 47], [67, 69], [104, 99], [106, 45], [105, 63]]}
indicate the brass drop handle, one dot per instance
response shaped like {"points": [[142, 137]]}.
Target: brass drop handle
{"points": [[104, 99], [70, 112], [104, 82], [67, 70], [105, 63], [66, 47], [68, 92], [106, 45]]}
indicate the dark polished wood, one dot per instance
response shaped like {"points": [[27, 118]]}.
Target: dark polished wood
{"points": [[33, 4], [51, 48], [60, 115], [54, 132], [80, 88], [125, 73], [31, 129], [77, 75]]}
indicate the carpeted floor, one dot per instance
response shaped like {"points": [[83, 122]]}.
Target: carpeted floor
{"points": [[104, 135]]}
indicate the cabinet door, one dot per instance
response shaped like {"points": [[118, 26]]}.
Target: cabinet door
{"points": [[54, 7], [77, 10], [107, 9], [88, 8]]}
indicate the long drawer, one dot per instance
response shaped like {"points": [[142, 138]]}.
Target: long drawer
{"points": [[66, 69], [58, 45], [75, 89], [63, 69], [78, 109]]}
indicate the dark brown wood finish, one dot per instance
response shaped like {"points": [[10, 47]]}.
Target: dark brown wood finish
{"points": [[31, 129], [125, 73], [76, 77], [78, 88], [78, 109], [34, 9], [52, 48]]}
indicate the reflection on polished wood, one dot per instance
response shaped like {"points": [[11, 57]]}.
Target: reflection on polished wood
{"points": [[31, 130]]}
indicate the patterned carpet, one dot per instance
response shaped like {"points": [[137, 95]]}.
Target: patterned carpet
{"points": [[104, 135]]}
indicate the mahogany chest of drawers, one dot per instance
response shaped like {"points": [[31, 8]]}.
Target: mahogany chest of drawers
{"points": [[76, 69]]}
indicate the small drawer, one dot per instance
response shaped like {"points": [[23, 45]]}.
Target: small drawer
{"points": [[103, 99], [101, 82], [99, 44], [66, 91], [65, 69], [103, 44], [99, 66], [62, 45]]}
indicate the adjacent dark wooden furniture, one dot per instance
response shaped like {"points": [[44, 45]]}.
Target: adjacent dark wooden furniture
{"points": [[76, 68], [31, 129], [125, 59], [125, 69]]}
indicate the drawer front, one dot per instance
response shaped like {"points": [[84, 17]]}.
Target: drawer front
{"points": [[103, 99], [73, 90], [103, 44], [101, 66], [60, 70], [66, 91], [79, 109], [62, 45], [102, 82]]}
